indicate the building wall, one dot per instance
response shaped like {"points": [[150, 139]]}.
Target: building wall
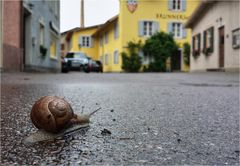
{"points": [[12, 51], [46, 14], [128, 27], [106, 51], [153, 11], [229, 12], [89, 51], [1, 32]]}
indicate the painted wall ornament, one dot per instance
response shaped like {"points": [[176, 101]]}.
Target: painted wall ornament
{"points": [[132, 5]]}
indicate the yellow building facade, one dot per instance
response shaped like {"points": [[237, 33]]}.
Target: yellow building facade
{"points": [[137, 20]]}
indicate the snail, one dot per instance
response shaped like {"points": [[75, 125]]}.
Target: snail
{"points": [[53, 114]]}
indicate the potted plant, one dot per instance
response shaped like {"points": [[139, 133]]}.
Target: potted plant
{"points": [[196, 53], [207, 51], [43, 50]]}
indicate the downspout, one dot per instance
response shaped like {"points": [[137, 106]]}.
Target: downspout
{"points": [[21, 37]]}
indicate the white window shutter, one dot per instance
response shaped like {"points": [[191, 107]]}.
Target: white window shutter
{"points": [[170, 4], [156, 27], [117, 30], [184, 5], [80, 40], [184, 32], [170, 28], [140, 28], [90, 41]]}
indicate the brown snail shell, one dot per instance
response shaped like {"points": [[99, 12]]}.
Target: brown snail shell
{"points": [[53, 114]]}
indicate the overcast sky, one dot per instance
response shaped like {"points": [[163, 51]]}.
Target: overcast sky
{"points": [[96, 12]]}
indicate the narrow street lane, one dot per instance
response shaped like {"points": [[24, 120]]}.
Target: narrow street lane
{"points": [[154, 119]]}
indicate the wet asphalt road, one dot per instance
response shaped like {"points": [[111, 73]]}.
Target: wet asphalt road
{"points": [[154, 119]]}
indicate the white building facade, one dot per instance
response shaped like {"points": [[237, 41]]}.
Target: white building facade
{"points": [[215, 36]]}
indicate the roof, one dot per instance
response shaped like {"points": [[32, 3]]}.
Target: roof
{"points": [[80, 28], [107, 23], [70, 30], [69, 33], [90, 27], [198, 13]]}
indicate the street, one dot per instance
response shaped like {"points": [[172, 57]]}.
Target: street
{"points": [[154, 118]]}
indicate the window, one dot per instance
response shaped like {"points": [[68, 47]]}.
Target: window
{"points": [[196, 44], [106, 59], [101, 59], [148, 28], [116, 57], [85, 41], [101, 41], [177, 30], [53, 46], [116, 31], [177, 5], [106, 37], [41, 34], [236, 38], [208, 39]]}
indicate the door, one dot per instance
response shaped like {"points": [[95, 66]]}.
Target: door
{"points": [[221, 46], [27, 44], [176, 61]]}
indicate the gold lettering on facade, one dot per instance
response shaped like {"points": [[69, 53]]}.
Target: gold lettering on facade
{"points": [[172, 16]]}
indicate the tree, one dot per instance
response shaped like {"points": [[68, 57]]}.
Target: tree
{"points": [[160, 47], [132, 61], [186, 53]]}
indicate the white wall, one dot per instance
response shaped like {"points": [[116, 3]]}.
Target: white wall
{"points": [[229, 12]]}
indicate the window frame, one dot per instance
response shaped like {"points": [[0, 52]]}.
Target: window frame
{"points": [[41, 34], [53, 38], [116, 30], [101, 41], [196, 44], [177, 3], [236, 38], [116, 57], [146, 29], [175, 27], [106, 59], [106, 37], [86, 41], [208, 40]]}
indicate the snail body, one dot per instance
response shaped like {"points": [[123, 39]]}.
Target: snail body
{"points": [[53, 114]]}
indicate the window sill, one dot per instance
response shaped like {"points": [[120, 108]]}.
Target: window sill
{"points": [[236, 46], [177, 11], [54, 58], [178, 38], [146, 36]]}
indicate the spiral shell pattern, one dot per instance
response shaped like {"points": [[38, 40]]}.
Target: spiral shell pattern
{"points": [[51, 113]]}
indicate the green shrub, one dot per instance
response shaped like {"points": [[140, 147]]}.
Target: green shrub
{"points": [[132, 62], [160, 46], [186, 53], [43, 50]]}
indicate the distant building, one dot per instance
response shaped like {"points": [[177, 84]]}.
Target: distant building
{"points": [[215, 36], [66, 42], [41, 35], [11, 30], [137, 20]]}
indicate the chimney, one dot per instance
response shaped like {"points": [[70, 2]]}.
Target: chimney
{"points": [[82, 13]]}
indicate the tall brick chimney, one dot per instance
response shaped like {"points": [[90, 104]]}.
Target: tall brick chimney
{"points": [[82, 13]]}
